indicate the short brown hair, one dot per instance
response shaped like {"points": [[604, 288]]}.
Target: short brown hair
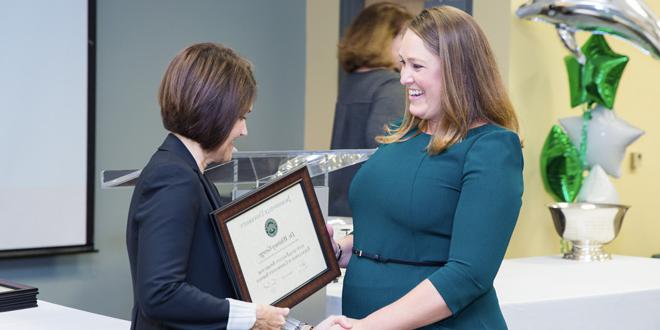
{"points": [[206, 88], [369, 38], [472, 87]]}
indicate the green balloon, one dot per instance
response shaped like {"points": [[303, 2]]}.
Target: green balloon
{"points": [[577, 91], [598, 79], [561, 167]]}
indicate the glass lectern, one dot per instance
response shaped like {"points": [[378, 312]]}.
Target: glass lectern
{"points": [[251, 169]]}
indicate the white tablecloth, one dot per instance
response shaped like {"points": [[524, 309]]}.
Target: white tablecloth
{"points": [[552, 293], [50, 316]]}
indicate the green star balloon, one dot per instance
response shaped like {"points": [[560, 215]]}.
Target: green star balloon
{"points": [[598, 79], [561, 167]]}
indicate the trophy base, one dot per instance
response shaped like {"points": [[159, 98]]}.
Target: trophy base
{"points": [[587, 252]]}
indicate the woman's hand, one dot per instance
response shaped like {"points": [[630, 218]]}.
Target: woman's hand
{"points": [[335, 322], [270, 318], [345, 245], [356, 324]]}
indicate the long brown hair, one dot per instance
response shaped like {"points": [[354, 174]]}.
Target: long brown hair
{"points": [[368, 40], [473, 90]]}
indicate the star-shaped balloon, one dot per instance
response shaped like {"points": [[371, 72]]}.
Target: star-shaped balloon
{"points": [[561, 167], [597, 188], [607, 138], [598, 79]]}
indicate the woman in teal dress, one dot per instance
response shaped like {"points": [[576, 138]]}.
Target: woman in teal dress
{"points": [[435, 206]]}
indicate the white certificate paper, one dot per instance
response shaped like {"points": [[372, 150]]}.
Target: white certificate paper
{"points": [[277, 246]]}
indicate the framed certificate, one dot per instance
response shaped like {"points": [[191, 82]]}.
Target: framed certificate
{"points": [[276, 246]]}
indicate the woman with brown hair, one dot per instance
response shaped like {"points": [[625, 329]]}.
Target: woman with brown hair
{"points": [[179, 279], [435, 206], [370, 96]]}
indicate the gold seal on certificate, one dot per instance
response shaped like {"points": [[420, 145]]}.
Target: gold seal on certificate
{"points": [[276, 245]]}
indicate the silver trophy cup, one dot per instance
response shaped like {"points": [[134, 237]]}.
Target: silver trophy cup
{"points": [[588, 227]]}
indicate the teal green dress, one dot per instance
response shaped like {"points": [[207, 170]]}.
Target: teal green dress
{"points": [[459, 206]]}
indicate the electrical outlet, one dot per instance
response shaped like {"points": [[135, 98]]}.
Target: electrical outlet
{"points": [[635, 161]]}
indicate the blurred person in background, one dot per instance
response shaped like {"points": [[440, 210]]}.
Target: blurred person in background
{"points": [[370, 96]]}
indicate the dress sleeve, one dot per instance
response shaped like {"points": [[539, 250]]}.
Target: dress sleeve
{"points": [[388, 105], [167, 212], [484, 219]]}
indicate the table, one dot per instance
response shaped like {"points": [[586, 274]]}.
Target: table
{"points": [[552, 293], [56, 317]]}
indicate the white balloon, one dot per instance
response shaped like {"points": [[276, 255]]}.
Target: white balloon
{"points": [[597, 188], [607, 138]]}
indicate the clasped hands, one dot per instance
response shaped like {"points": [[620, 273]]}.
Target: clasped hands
{"points": [[274, 318]]}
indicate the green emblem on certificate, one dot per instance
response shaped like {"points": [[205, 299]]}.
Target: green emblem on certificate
{"points": [[271, 227]]}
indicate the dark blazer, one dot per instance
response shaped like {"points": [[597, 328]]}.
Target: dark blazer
{"points": [[179, 279]]}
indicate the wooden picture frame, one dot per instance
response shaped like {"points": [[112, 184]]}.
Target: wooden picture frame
{"points": [[275, 243]]}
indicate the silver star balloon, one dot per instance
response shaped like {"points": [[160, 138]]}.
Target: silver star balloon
{"points": [[607, 138], [630, 20]]}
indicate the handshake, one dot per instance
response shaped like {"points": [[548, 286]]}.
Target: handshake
{"points": [[269, 317]]}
